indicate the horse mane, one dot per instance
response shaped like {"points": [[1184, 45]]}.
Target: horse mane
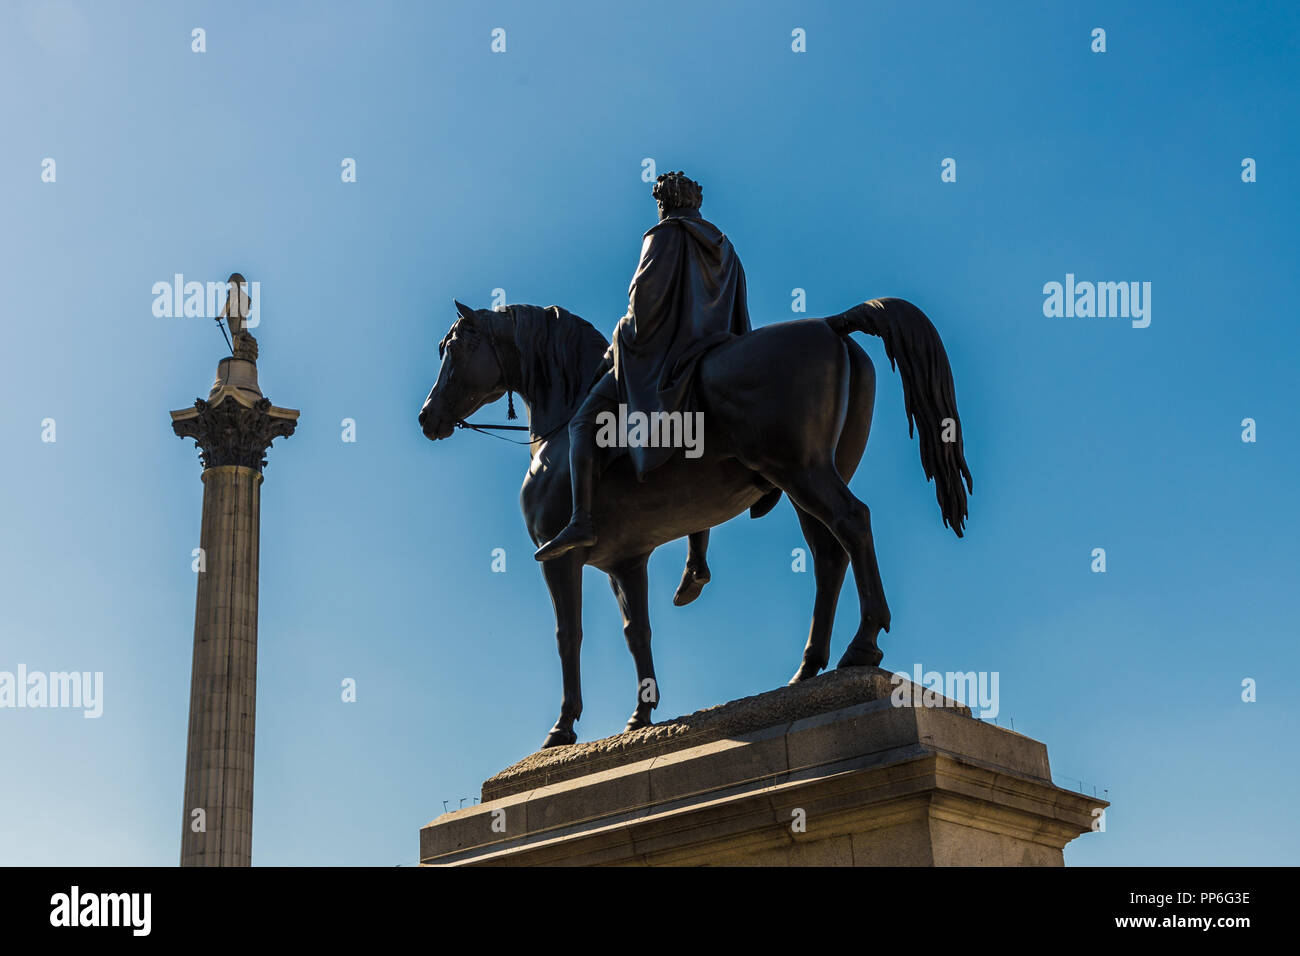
{"points": [[556, 348]]}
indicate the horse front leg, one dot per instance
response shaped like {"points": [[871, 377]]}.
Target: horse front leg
{"points": [[564, 581], [631, 586]]}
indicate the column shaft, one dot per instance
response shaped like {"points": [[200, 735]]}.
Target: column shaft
{"points": [[223, 683]]}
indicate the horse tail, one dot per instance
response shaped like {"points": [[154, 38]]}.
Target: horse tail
{"points": [[915, 349]]}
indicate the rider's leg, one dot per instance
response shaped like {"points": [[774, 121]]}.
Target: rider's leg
{"points": [[580, 532]]}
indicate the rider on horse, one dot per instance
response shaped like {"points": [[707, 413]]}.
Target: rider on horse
{"points": [[686, 297]]}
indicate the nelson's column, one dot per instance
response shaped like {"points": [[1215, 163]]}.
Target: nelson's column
{"points": [[232, 429]]}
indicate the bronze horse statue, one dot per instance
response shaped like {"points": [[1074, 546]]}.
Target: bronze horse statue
{"points": [[787, 406]]}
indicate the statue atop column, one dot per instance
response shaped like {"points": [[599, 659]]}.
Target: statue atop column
{"points": [[236, 424]]}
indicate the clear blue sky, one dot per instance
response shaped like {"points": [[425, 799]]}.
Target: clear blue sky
{"points": [[522, 171]]}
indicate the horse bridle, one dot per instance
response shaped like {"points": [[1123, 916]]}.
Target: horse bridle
{"points": [[486, 429]]}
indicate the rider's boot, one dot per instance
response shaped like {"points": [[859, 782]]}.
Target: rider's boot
{"points": [[696, 574]]}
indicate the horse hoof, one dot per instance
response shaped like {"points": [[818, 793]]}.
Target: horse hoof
{"points": [[805, 672], [858, 658], [559, 738], [636, 722]]}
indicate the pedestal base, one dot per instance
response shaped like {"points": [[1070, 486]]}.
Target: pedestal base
{"points": [[820, 781]]}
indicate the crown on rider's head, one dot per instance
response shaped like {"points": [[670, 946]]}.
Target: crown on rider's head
{"points": [[676, 191]]}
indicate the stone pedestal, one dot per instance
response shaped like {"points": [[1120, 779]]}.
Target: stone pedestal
{"points": [[829, 772], [233, 429]]}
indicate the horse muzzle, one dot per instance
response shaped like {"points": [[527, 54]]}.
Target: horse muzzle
{"points": [[435, 430]]}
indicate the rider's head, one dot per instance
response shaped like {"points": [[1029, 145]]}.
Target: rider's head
{"points": [[677, 195]]}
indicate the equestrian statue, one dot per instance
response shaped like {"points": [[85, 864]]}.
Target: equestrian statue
{"points": [[785, 408]]}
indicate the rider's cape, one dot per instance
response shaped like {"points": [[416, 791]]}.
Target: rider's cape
{"points": [[687, 296]]}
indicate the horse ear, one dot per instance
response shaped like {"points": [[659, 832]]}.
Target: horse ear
{"points": [[465, 311]]}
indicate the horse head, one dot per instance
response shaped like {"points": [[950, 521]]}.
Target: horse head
{"points": [[547, 355], [471, 375]]}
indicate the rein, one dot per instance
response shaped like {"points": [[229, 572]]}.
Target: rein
{"points": [[482, 429]]}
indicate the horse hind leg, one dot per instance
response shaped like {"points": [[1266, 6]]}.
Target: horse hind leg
{"points": [[821, 492], [830, 562]]}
